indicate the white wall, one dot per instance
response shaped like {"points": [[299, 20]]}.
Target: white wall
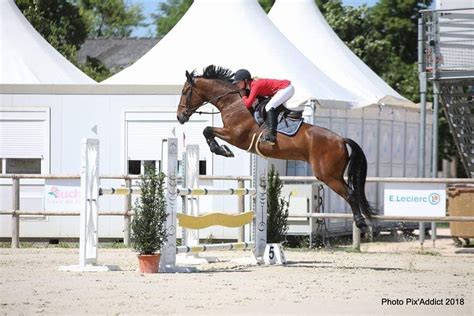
{"points": [[74, 117], [389, 137]]}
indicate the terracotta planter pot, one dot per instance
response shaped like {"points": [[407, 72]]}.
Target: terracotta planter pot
{"points": [[149, 263]]}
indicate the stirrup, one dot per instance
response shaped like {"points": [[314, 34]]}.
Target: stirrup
{"points": [[268, 138]]}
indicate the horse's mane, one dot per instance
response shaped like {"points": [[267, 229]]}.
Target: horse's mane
{"points": [[217, 72]]}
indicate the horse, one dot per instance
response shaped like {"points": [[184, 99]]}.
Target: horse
{"points": [[324, 150]]}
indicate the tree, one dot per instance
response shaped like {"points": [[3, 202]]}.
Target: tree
{"points": [[110, 17], [149, 222], [266, 4], [95, 69], [171, 11], [397, 21], [58, 21], [354, 28], [66, 25], [383, 36]]}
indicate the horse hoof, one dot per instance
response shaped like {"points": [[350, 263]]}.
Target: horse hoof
{"points": [[362, 225], [226, 152]]}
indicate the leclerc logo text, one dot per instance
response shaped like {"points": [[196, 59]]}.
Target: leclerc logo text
{"points": [[433, 198]]}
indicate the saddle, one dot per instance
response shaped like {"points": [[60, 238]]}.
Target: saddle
{"points": [[289, 121]]}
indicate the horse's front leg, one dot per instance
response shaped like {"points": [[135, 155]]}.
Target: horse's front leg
{"points": [[210, 134]]}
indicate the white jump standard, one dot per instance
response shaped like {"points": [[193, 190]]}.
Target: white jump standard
{"points": [[195, 221], [89, 222]]}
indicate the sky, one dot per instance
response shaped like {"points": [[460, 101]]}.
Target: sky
{"points": [[151, 6]]}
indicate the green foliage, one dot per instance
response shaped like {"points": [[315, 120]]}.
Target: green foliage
{"points": [[95, 69], [66, 24], [170, 12], [210, 239], [397, 21], [148, 225], [58, 21], [277, 209], [110, 17], [266, 4], [383, 36], [353, 26]]}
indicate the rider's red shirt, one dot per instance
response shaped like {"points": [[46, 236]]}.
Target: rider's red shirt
{"points": [[265, 88]]}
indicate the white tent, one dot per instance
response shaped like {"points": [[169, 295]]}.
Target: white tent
{"points": [[234, 34], [304, 25], [27, 58]]}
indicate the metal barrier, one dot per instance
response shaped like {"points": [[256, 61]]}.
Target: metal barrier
{"points": [[15, 211]]}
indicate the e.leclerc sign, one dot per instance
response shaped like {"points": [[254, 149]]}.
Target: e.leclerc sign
{"points": [[415, 199]]}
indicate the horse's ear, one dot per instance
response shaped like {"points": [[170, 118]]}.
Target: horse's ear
{"points": [[189, 77]]}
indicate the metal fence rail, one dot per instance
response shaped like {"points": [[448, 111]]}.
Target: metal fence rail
{"points": [[356, 233], [15, 211]]}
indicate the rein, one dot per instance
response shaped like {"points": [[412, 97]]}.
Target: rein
{"points": [[194, 110]]}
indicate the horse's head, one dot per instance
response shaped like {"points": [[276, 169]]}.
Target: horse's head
{"points": [[190, 100]]}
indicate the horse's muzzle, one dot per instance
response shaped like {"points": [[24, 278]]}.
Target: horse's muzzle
{"points": [[182, 118]]}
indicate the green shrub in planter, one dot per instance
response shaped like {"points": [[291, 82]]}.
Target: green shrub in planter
{"points": [[148, 225], [277, 209]]}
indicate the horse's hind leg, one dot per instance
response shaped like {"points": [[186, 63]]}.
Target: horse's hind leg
{"points": [[340, 187], [333, 178]]}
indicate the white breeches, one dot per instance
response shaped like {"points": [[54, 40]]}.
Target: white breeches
{"points": [[280, 97]]}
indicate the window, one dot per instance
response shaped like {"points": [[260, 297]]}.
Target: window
{"points": [[149, 164], [134, 167], [24, 140], [137, 167], [202, 167], [20, 166]]}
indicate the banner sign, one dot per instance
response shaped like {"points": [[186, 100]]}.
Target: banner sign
{"points": [[415, 199], [62, 195]]}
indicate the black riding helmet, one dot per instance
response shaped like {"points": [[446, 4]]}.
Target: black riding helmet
{"points": [[242, 74]]}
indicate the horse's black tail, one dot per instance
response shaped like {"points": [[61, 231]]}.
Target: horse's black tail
{"points": [[357, 173]]}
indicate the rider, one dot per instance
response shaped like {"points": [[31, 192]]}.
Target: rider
{"points": [[280, 91]]}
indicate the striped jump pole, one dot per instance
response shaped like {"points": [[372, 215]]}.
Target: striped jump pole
{"points": [[204, 191], [182, 191], [118, 191], [213, 247]]}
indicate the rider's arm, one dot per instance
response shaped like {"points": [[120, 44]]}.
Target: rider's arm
{"points": [[248, 101]]}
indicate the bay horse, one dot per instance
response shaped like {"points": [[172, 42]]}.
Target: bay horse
{"points": [[323, 149]]}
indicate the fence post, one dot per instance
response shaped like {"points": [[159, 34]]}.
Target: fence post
{"points": [[15, 215], [241, 205], [422, 234], [355, 237], [127, 217]]}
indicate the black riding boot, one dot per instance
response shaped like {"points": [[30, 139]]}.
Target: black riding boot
{"points": [[269, 136]]}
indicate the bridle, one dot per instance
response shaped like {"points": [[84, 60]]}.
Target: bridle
{"points": [[188, 112]]}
